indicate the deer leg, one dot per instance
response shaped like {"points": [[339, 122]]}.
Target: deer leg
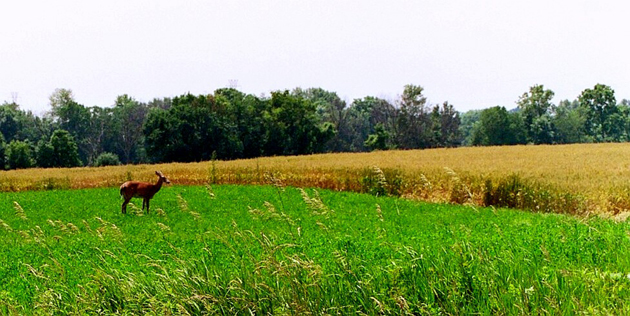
{"points": [[124, 206], [148, 200]]}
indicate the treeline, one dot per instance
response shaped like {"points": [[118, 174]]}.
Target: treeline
{"points": [[595, 116], [230, 124]]}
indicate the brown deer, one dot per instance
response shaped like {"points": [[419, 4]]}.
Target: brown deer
{"points": [[146, 191]]}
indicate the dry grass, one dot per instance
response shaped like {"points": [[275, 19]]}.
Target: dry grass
{"points": [[598, 172]]}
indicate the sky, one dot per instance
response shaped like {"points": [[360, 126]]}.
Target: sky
{"points": [[473, 54]]}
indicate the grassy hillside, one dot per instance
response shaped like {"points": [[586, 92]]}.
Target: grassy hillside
{"points": [[569, 178], [270, 249]]}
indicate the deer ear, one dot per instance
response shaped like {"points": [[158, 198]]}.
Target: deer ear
{"points": [[158, 173]]}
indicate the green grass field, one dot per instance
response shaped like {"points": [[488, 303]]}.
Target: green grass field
{"points": [[264, 249]]}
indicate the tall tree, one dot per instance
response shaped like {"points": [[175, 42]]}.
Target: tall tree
{"points": [[163, 103], [59, 152], [413, 124], [194, 128], [74, 118], [330, 108], [364, 115], [129, 118], [600, 104], [60, 98], [9, 122], [100, 126], [245, 111], [569, 120], [293, 127], [445, 126], [45, 154], [66, 153], [22, 125], [497, 126], [535, 107], [162, 144]]}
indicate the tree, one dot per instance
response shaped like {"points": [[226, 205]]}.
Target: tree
{"points": [[9, 122], [569, 121], [497, 126], [66, 150], [164, 103], [363, 117], [60, 151], [292, 126], [195, 128], [45, 154], [162, 144], [329, 108], [624, 121], [19, 155], [245, 111], [99, 132], [535, 107], [60, 98], [3, 145], [16, 124], [74, 118], [379, 140], [129, 118], [445, 126], [600, 104], [542, 130], [467, 124], [413, 124]]}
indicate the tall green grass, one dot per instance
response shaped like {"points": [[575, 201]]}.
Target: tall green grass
{"points": [[277, 250]]}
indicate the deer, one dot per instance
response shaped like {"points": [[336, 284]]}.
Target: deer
{"points": [[144, 190]]}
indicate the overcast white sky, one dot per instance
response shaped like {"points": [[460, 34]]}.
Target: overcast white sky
{"points": [[474, 54]]}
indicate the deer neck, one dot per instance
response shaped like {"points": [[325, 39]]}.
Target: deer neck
{"points": [[158, 185]]}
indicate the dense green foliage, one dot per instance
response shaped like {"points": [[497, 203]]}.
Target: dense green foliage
{"points": [[236, 250], [593, 117], [3, 156], [229, 124], [497, 126], [107, 159], [18, 155], [60, 151]]}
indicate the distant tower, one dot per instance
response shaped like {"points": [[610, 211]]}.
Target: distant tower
{"points": [[14, 97], [233, 83]]}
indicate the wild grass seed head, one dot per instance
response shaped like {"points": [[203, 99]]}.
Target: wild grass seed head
{"points": [[6, 226], [315, 203], [182, 203], [19, 211]]}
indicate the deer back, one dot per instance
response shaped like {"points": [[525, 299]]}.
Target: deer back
{"points": [[139, 189]]}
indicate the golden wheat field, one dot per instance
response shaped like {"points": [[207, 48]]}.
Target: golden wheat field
{"points": [[597, 176]]}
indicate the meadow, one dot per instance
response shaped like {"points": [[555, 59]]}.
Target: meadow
{"points": [[228, 249], [574, 179]]}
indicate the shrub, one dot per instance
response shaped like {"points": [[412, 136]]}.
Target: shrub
{"points": [[107, 159], [19, 155]]}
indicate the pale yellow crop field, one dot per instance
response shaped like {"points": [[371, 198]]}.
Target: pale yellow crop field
{"points": [[599, 172]]}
